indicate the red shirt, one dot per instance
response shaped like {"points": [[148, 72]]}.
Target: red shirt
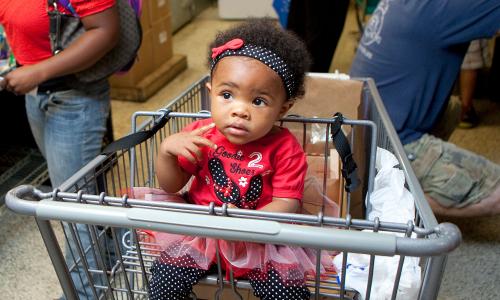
{"points": [[249, 175], [26, 24]]}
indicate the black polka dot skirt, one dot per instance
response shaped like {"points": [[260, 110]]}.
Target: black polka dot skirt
{"points": [[169, 282], [175, 280], [271, 286]]}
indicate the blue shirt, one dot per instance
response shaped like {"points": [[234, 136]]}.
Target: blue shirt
{"points": [[413, 49]]}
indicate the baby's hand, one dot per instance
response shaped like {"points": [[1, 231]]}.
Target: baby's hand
{"points": [[188, 144]]}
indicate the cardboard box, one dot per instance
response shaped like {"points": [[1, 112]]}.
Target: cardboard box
{"points": [[326, 96], [208, 291], [323, 187], [153, 82], [146, 16], [142, 67], [312, 137], [158, 9], [240, 9], [162, 40]]}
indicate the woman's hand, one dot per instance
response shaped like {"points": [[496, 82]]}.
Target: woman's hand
{"points": [[187, 144], [24, 79]]}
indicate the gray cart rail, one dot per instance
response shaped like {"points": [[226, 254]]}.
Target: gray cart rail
{"points": [[96, 196]]}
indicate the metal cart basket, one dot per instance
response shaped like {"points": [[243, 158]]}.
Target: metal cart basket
{"points": [[116, 261]]}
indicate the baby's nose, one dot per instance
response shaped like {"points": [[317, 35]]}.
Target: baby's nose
{"points": [[240, 111]]}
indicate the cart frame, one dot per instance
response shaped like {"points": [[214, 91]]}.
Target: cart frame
{"points": [[72, 203]]}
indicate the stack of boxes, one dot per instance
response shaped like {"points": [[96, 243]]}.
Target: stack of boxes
{"points": [[156, 63], [324, 186]]}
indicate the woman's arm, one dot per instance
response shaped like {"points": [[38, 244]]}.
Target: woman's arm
{"points": [[101, 35]]}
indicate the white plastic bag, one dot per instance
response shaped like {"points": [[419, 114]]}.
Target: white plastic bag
{"points": [[392, 202], [385, 269]]}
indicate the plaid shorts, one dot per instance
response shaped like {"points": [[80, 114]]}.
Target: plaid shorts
{"points": [[477, 55], [450, 175]]}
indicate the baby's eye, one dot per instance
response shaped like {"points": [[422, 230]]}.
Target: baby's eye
{"points": [[226, 95], [259, 102]]}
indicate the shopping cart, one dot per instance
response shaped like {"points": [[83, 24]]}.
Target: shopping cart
{"points": [[97, 196]]}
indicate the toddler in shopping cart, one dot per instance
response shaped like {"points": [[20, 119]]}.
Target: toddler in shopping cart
{"points": [[240, 158]]}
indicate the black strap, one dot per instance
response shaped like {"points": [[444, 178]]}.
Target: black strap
{"points": [[349, 166], [55, 25], [136, 138]]}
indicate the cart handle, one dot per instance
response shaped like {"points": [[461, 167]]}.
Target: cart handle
{"points": [[15, 200], [446, 239]]}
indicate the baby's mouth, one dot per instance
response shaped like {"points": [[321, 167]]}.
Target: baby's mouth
{"points": [[237, 129]]}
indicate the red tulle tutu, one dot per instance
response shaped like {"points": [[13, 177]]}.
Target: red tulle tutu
{"points": [[291, 263]]}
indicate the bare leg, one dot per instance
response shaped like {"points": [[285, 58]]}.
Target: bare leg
{"points": [[468, 80], [489, 206]]}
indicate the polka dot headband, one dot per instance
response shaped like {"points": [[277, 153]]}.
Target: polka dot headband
{"points": [[237, 47]]}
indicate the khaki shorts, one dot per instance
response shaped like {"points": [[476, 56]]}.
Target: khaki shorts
{"points": [[450, 175]]}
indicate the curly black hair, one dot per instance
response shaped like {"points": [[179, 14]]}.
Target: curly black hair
{"points": [[266, 32]]}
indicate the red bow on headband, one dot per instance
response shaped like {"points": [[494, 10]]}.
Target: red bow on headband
{"points": [[231, 45]]}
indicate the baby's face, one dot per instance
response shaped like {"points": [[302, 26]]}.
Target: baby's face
{"points": [[247, 97]]}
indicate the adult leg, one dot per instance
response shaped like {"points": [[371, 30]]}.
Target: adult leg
{"points": [[489, 206], [320, 25], [74, 127], [474, 60], [457, 182], [468, 116], [35, 111]]}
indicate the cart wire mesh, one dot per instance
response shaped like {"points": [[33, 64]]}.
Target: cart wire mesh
{"points": [[94, 204]]}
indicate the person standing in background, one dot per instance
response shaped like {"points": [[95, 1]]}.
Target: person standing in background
{"points": [[319, 23], [67, 118], [474, 60], [413, 50]]}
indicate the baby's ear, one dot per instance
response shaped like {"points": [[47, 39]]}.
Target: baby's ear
{"points": [[286, 107], [209, 86]]}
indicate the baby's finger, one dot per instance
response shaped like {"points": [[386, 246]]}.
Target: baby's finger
{"points": [[189, 156], [202, 130], [195, 151], [201, 141]]}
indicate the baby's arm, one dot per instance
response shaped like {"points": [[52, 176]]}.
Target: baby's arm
{"points": [[285, 205], [171, 177]]}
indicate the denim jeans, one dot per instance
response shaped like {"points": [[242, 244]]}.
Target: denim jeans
{"points": [[68, 127]]}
